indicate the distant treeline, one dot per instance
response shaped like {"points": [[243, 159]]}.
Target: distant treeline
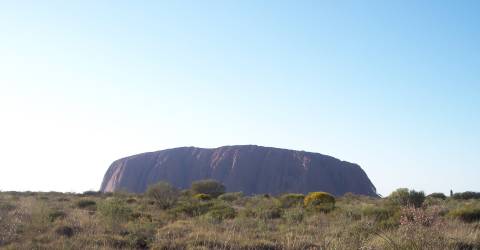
{"points": [[466, 195]]}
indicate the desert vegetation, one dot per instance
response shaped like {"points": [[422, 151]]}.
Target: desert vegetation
{"points": [[206, 217]]}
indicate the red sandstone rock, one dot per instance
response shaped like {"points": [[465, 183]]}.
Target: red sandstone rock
{"points": [[250, 169]]}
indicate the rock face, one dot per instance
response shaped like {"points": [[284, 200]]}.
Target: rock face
{"points": [[250, 169]]}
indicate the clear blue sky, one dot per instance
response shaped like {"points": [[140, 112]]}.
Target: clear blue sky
{"points": [[391, 85]]}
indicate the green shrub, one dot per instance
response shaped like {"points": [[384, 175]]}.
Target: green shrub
{"points": [[202, 197], [263, 208], [432, 201], [466, 214], [404, 197], [191, 208], [122, 193], [269, 213], [92, 193], [416, 198], [437, 196], [114, 211], [140, 235], [220, 212], [291, 200], [164, 194], [131, 200], [377, 213], [466, 195], [399, 197], [210, 187], [319, 201], [86, 204], [231, 196], [352, 213]]}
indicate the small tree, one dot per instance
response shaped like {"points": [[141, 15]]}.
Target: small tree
{"points": [[399, 197], [164, 194], [210, 187]]}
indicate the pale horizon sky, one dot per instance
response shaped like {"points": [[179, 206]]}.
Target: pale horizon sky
{"points": [[393, 86]]}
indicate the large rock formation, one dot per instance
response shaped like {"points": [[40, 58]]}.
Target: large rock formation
{"points": [[250, 169]]}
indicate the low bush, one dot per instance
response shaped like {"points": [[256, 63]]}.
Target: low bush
{"points": [[92, 193], [64, 231], [231, 196], [437, 196], [417, 217], [131, 200], [377, 213], [220, 212], [202, 197], [466, 214], [433, 201], [405, 197], [291, 200], [114, 212], [263, 208], [84, 203], [210, 187], [191, 208], [269, 213], [140, 235], [319, 201], [466, 195], [57, 214], [164, 194]]}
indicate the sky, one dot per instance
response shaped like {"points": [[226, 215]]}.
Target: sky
{"points": [[393, 86]]}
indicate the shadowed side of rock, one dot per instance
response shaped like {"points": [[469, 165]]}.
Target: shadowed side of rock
{"points": [[250, 169]]}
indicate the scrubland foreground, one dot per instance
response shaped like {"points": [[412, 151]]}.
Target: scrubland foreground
{"points": [[166, 218]]}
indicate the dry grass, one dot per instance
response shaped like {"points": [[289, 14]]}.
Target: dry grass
{"points": [[128, 221]]}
